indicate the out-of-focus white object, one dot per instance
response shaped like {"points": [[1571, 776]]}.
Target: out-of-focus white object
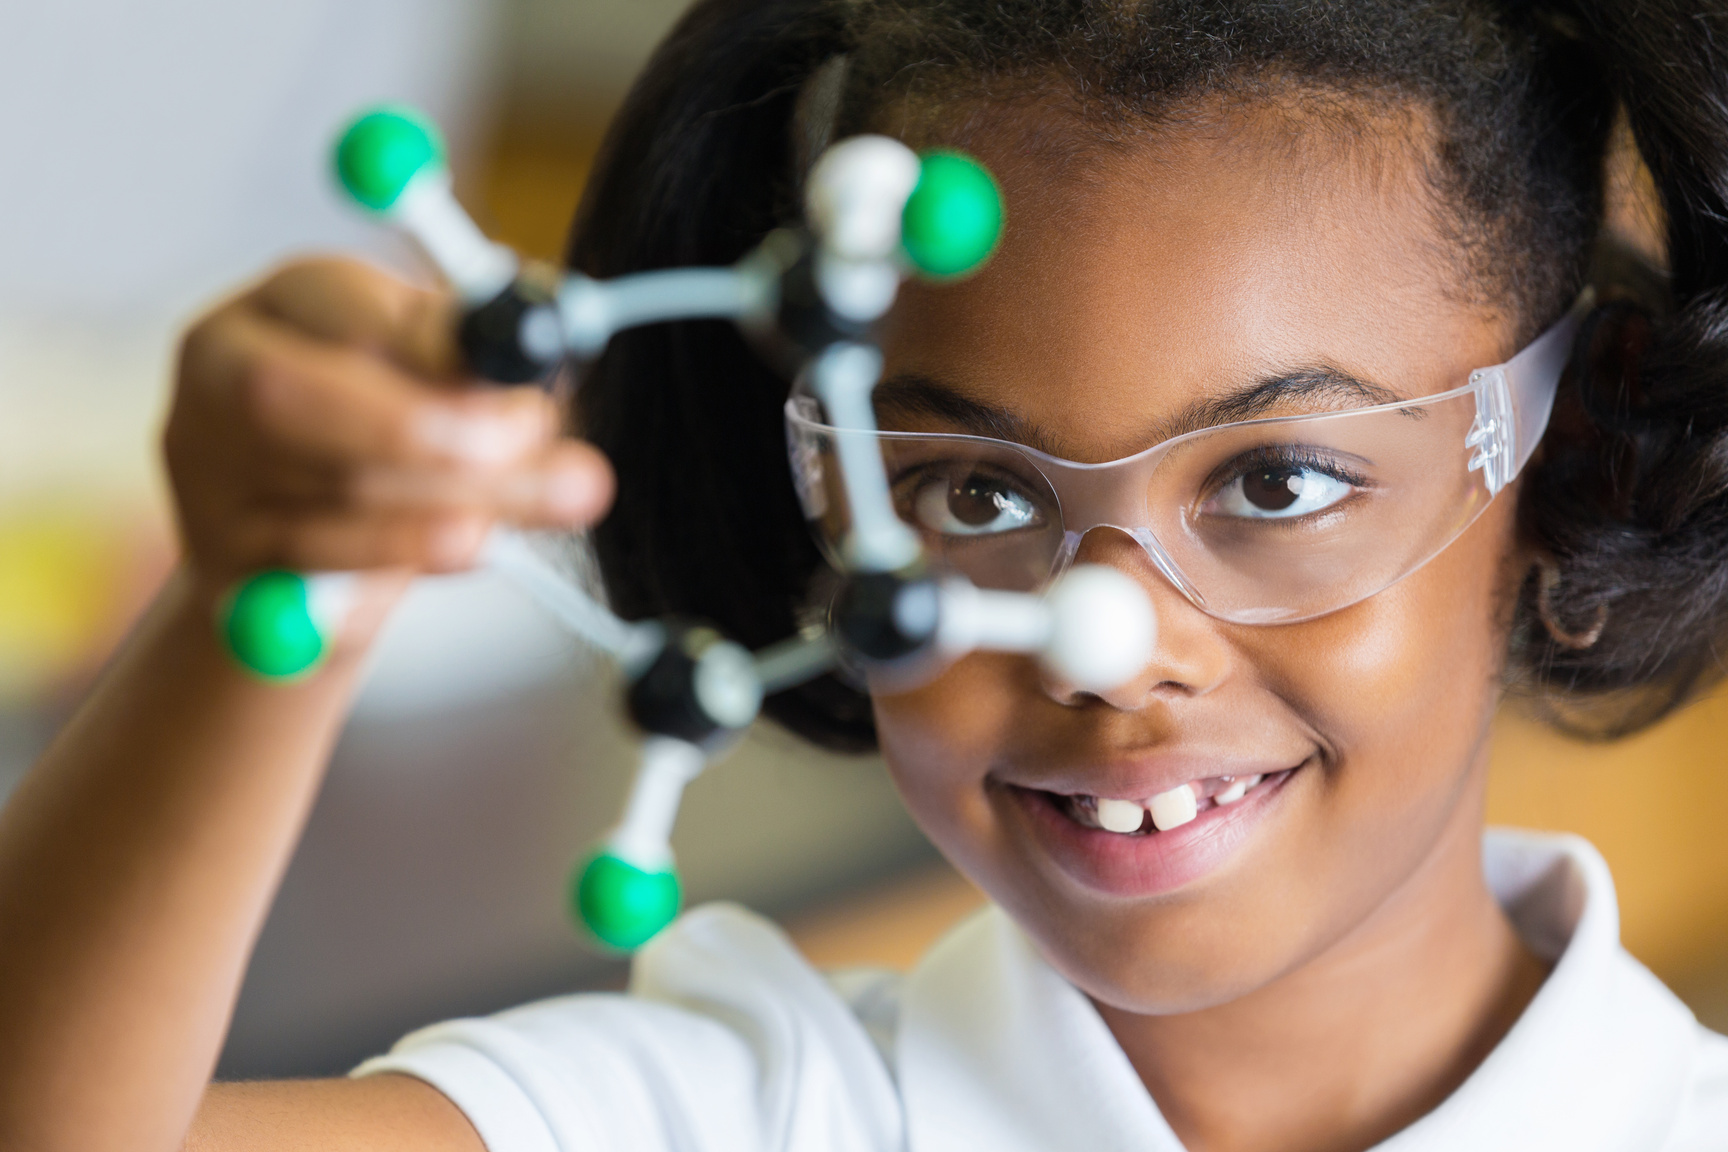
{"points": [[158, 151], [856, 193], [732, 1034], [160, 154]]}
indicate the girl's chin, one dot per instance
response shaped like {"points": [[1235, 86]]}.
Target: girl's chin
{"points": [[1140, 864]]}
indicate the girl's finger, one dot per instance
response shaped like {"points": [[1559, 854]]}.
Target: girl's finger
{"points": [[569, 484], [337, 404], [347, 302], [344, 541]]}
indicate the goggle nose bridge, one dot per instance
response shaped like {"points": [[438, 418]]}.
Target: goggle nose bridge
{"points": [[1089, 497], [1071, 541]]}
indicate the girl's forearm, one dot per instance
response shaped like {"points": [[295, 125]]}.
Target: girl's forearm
{"points": [[137, 862]]}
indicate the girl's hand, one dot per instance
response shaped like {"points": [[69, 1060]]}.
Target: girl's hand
{"points": [[321, 422]]}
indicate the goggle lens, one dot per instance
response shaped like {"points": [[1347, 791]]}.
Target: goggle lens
{"points": [[1257, 522]]}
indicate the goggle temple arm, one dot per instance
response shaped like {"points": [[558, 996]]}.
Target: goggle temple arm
{"points": [[1514, 400]]}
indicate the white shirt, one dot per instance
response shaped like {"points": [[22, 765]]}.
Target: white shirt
{"points": [[728, 1039]]}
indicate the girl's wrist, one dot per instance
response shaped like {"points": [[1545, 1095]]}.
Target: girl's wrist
{"points": [[280, 627]]}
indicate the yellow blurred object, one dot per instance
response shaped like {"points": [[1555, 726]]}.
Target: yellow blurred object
{"points": [[1656, 805], [889, 925], [529, 189], [60, 573]]}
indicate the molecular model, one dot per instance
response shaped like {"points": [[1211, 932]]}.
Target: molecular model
{"points": [[875, 212]]}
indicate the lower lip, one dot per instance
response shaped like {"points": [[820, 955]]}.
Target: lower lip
{"points": [[1154, 863]]}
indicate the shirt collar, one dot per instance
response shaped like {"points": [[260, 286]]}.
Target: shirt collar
{"points": [[996, 1050]]}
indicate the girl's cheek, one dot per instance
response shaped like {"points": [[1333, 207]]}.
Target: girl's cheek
{"points": [[940, 741], [1405, 682]]}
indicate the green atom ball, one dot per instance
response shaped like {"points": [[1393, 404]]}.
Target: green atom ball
{"points": [[623, 905], [382, 151], [953, 218], [269, 628]]}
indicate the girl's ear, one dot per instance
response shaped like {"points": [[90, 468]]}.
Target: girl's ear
{"points": [[1567, 634], [1594, 453]]}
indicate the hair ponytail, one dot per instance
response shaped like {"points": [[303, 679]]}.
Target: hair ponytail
{"points": [[698, 166], [1631, 496]]}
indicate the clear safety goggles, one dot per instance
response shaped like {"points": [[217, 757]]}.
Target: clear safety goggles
{"points": [[1263, 521]]}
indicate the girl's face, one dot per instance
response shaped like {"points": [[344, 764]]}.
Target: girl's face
{"points": [[1132, 282]]}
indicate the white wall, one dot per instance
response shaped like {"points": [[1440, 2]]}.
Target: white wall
{"points": [[154, 154], [155, 151]]}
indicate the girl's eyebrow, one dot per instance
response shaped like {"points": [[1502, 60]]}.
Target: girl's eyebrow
{"points": [[1332, 387], [913, 394]]}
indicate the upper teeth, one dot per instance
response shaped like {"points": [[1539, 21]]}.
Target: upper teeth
{"points": [[1170, 809], [1238, 788], [1119, 815], [1174, 808]]}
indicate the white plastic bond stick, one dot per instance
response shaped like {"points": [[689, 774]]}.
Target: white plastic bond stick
{"points": [[973, 618], [643, 836], [507, 553], [860, 290], [792, 662], [591, 311], [476, 267], [843, 378], [1095, 627]]}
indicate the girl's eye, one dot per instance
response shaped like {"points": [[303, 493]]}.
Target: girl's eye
{"points": [[1279, 492], [975, 506]]}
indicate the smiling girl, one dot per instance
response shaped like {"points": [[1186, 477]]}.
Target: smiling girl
{"points": [[1285, 295]]}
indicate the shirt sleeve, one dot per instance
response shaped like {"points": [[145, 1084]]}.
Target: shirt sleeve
{"points": [[728, 1040]]}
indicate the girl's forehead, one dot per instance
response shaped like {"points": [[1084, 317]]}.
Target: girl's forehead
{"points": [[1138, 280]]}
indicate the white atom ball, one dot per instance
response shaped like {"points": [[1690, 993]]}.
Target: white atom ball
{"points": [[1102, 627], [856, 192]]}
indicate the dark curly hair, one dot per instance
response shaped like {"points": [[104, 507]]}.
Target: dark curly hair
{"points": [[1627, 501]]}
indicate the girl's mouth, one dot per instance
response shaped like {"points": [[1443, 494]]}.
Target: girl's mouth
{"points": [[1164, 812], [1149, 845]]}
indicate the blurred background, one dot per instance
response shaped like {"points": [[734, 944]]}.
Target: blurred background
{"points": [[160, 154]]}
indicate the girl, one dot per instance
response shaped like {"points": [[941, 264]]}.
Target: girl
{"points": [[1219, 210]]}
